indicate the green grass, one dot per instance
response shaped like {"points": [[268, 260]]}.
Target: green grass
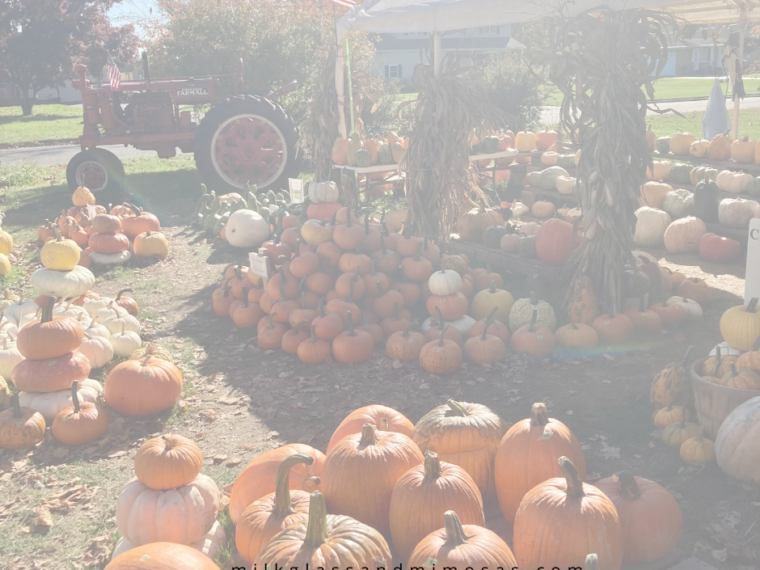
{"points": [[48, 124], [676, 88], [666, 125]]}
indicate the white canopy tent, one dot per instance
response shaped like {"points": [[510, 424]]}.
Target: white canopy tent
{"points": [[438, 16]]}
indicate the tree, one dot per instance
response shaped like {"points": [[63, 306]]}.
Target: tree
{"points": [[40, 40]]}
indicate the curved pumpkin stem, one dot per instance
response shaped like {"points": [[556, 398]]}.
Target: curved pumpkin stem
{"points": [[457, 408], [369, 437], [455, 535], [441, 322], [351, 331], [489, 322], [75, 396], [538, 415], [47, 311], [282, 502], [282, 294], [533, 319], [629, 488], [419, 252], [321, 307], [752, 307], [16, 405], [406, 329], [718, 359], [492, 290], [573, 478], [432, 467]]}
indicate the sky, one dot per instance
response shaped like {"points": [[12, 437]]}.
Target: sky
{"points": [[132, 12]]}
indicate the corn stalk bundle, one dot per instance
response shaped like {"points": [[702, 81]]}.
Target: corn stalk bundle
{"points": [[600, 63], [448, 110]]}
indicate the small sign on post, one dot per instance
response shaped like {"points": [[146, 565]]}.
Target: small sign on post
{"points": [[752, 275], [259, 264], [295, 185]]}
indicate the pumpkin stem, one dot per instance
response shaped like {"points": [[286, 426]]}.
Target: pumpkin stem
{"points": [[47, 311], [316, 527], [538, 415], [282, 503], [313, 336], [351, 331], [75, 396], [440, 336], [718, 359], [455, 535], [440, 317], [574, 483], [281, 271], [351, 285], [734, 372], [321, 307], [282, 294], [457, 408], [489, 322], [686, 356], [492, 290], [271, 322], [642, 305], [533, 320], [366, 225], [16, 405], [406, 329], [592, 562], [369, 437], [752, 307], [379, 289], [629, 488], [533, 298], [432, 467]]}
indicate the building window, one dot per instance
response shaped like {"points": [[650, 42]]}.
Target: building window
{"points": [[393, 72], [488, 30]]}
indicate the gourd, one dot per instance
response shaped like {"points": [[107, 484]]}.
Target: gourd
{"points": [[63, 284], [50, 404], [737, 212], [680, 173], [733, 182], [522, 312], [651, 224], [678, 203], [323, 192]]}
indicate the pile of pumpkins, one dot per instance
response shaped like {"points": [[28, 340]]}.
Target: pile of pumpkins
{"points": [[420, 489], [721, 147], [88, 233], [363, 152]]}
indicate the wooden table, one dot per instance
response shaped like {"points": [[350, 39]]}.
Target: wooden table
{"points": [[503, 260]]}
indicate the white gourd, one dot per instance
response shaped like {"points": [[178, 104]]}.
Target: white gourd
{"points": [[93, 305], [17, 310], [651, 224], [692, 308], [118, 322], [445, 282], [102, 315], [96, 329], [522, 311], [110, 258], [9, 357], [70, 310], [463, 325], [124, 343]]}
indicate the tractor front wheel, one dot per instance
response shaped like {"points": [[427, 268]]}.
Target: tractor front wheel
{"points": [[96, 169], [246, 140]]}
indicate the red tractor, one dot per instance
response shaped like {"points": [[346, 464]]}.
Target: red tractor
{"points": [[243, 139]]}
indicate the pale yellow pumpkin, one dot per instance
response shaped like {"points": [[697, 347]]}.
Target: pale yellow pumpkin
{"points": [[6, 242], [549, 158], [734, 182], [149, 244], [60, 254], [543, 209], [743, 150], [525, 141], [660, 170], [653, 194], [740, 326], [83, 197], [680, 143], [5, 264]]}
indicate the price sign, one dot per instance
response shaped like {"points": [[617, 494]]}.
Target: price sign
{"points": [[259, 265], [296, 190], [752, 275]]}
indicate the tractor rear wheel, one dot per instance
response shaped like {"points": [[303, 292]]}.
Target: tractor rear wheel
{"points": [[246, 140], [96, 169]]}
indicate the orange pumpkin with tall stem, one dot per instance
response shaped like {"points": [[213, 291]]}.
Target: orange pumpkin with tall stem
{"points": [[353, 346]]}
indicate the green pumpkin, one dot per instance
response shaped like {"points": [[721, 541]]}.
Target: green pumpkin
{"points": [[636, 282], [534, 178], [663, 145], [680, 173], [384, 155], [363, 158], [526, 246], [706, 201], [489, 145], [492, 236], [354, 144], [753, 188], [566, 160], [549, 177]]}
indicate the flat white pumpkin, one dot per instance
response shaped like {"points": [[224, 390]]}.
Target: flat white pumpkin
{"points": [[725, 349], [50, 404], [246, 229], [326, 192], [96, 329], [109, 312], [445, 282], [122, 322], [734, 182], [97, 349], [651, 224], [17, 310], [692, 308], [94, 304], [64, 284], [74, 311], [110, 258]]}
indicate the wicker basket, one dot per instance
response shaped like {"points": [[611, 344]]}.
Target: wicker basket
{"points": [[714, 402]]}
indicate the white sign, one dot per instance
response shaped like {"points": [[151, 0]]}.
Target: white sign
{"points": [[259, 264], [752, 275], [296, 190]]}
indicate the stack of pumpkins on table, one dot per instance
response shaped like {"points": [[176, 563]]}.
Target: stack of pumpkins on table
{"points": [[733, 364], [677, 218], [168, 511], [396, 492], [363, 152], [88, 233]]}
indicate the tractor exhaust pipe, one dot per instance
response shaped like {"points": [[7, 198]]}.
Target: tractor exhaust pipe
{"points": [[146, 68]]}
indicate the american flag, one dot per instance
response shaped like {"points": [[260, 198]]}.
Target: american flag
{"points": [[346, 3], [114, 76]]}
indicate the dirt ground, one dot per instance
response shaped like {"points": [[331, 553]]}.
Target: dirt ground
{"points": [[57, 505]]}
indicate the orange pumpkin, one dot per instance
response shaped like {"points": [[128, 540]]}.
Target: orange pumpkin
{"points": [[382, 417], [141, 222], [79, 423], [143, 387], [20, 427], [405, 345], [108, 243], [168, 461], [442, 356], [162, 556], [49, 337], [52, 374], [453, 307]]}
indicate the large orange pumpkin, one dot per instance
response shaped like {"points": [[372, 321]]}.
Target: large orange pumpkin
{"points": [[464, 434], [258, 477], [382, 417], [141, 222], [361, 470], [422, 496], [143, 387], [555, 241], [162, 556], [650, 517], [52, 374], [562, 520], [50, 336], [266, 517], [471, 224], [462, 546], [528, 455]]}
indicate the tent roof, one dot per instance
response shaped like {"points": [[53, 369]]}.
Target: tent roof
{"points": [[398, 16]]}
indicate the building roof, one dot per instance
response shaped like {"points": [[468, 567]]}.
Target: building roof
{"points": [[387, 42]]}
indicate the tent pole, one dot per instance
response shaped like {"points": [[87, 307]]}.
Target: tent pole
{"points": [[741, 55], [436, 53], [350, 87]]}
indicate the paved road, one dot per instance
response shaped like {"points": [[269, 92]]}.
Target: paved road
{"points": [[52, 155]]}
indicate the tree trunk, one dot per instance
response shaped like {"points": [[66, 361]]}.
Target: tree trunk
{"points": [[26, 102]]}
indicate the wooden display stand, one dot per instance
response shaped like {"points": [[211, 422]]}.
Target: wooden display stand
{"points": [[503, 260]]}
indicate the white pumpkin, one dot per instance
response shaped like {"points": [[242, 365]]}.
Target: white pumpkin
{"points": [[110, 258], [185, 514], [29, 318], [7, 300], [683, 236], [445, 282], [102, 315], [565, 184], [125, 343], [117, 323], [651, 224], [64, 284], [463, 325], [320, 192], [211, 544], [17, 310], [734, 182], [93, 304], [96, 329], [519, 209], [737, 212], [70, 310], [50, 404], [678, 203], [8, 329], [692, 308], [97, 349], [725, 350], [246, 229], [9, 357]]}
